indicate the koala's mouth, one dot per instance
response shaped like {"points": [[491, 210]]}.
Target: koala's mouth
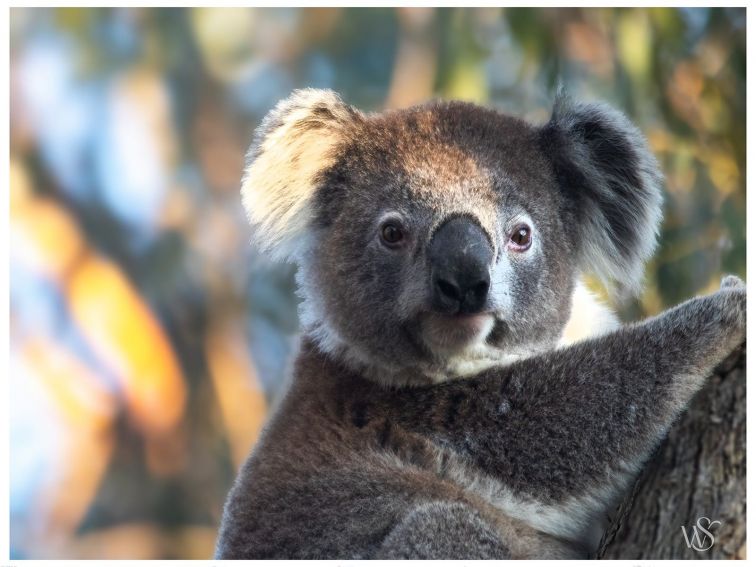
{"points": [[447, 334]]}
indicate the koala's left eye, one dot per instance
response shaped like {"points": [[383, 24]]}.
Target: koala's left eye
{"points": [[521, 238], [392, 234]]}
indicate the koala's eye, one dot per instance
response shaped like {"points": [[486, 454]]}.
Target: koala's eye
{"points": [[392, 234], [520, 239]]}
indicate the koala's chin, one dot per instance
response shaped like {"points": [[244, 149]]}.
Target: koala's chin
{"points": [[459, 342], [454, 334]]}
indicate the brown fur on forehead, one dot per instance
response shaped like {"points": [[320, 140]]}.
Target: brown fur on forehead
{"points": [[453, 156]]}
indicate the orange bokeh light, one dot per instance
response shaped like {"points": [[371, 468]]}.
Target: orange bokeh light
{"points": [[128, 338]]}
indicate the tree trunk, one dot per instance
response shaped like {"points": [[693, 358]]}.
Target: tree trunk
{"points": [[699, 471]]}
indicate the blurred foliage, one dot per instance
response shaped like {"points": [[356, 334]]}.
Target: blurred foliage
{"points": [[149, 337]]}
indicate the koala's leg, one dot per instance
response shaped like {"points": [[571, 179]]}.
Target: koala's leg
{"points": [[443, 530], [570, 427]]}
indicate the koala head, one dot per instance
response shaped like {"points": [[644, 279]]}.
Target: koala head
{"points": [[431, 237]]}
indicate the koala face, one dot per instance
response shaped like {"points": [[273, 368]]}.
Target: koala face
{"points": [[433, 236], [435, 232]]}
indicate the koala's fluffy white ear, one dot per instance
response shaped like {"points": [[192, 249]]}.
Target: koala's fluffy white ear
{"points": [[612, 183], [293, 145]]}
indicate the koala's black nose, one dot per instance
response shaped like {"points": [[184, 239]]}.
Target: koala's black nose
{"points": [[460, 255]]}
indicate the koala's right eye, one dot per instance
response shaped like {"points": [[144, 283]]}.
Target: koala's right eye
{"points": [[392, 234]]}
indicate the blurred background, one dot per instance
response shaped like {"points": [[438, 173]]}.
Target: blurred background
{"points": [[149, 338]]}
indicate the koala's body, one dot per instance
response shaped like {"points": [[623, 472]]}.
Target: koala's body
{"points": [[435, 410]]}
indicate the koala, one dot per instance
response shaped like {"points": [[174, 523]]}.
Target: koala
{"points": [[440, 406]]}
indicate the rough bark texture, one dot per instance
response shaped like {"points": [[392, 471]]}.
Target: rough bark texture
{"points": [[700, 470]]}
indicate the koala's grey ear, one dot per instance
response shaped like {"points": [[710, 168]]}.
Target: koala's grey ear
{"points": [[612, 183], [293, 146]]}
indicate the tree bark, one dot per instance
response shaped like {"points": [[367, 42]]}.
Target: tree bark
{"points": [[698, 471]]}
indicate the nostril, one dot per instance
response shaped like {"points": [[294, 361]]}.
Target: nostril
{"points": [[481, 289], [449, 289], [475, 296]]}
